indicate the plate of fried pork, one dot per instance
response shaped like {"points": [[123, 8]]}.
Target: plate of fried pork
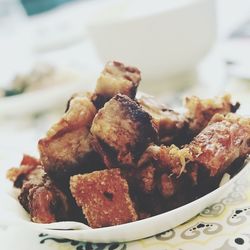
{"points": [[118, 166]]}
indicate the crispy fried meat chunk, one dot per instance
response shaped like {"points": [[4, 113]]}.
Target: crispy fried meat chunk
{"points": [[44, 201], [104, 198], [79, 95], [162, 173], [122, 131], [39, 196], [30, 161], [225, 139], [67, 150], [170, 125], [200, 111], [34, 178], [26, 171], [116, 78]]}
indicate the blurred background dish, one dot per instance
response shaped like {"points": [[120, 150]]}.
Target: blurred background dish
{"points": [[42, 76], [44, 87], [163, 40]]}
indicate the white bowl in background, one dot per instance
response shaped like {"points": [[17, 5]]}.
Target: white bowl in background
{"points": [[163, 38]]}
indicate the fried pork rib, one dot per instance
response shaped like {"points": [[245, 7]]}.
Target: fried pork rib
{"points": [[104, 198], [225, 139], [66, 150], [170, 125], [200, 111], [39, 196], [122, 131], [116, 78]]}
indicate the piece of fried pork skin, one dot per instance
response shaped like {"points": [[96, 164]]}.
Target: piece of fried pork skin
{"points": [[104, 197], [200, 111], [66, 149], [226, 138], [171, 125], [39, 196], [116, 78], [122, 131]]}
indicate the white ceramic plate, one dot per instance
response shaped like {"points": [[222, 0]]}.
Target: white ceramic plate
{"points": [[43, 99], [15, 214], [37, 101]]}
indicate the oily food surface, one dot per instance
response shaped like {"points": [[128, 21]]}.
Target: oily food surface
{"points": [[124, 128], [114, 158], [104, 197]]}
